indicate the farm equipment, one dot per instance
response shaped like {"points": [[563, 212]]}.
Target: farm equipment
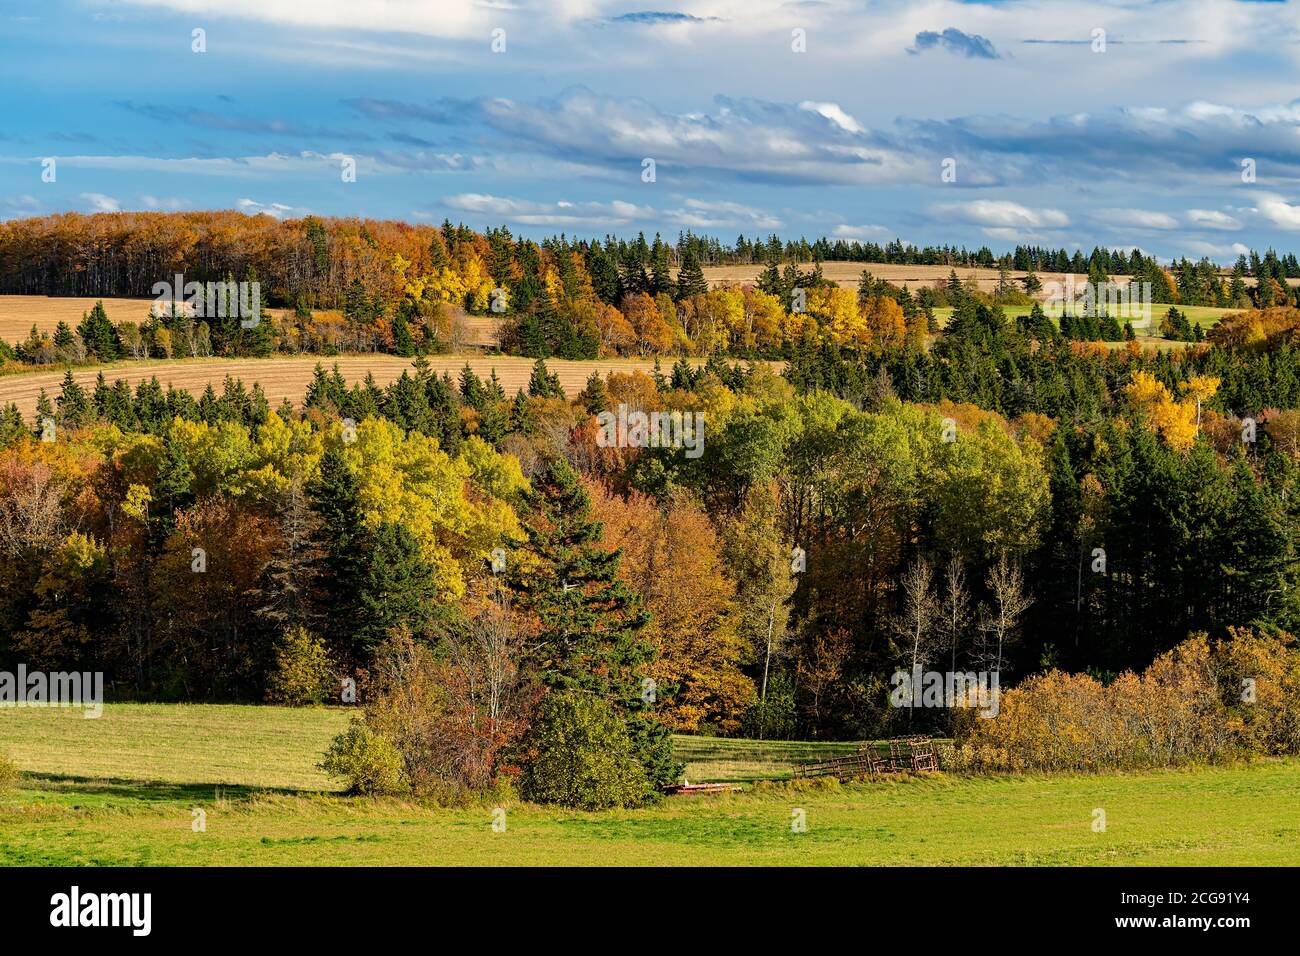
{"points": [[906, 755]]}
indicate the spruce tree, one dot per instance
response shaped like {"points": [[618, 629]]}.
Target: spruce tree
{"points": [[74, 406], [591, 622], [690, 279], [335, 496], [395, 587]]}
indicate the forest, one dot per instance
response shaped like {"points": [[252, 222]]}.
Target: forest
{"points": [[486, 576], [350, 285]]}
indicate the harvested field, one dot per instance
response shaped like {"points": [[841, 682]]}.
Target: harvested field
{"points": [[18, 313], [848, 273], [288, 377]]}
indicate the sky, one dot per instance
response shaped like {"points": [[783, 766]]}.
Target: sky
{"points": [[1173, 127]]}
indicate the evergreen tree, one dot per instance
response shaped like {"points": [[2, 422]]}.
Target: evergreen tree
{"points": [[690, 278], [590, 621], [395, 586], [335, 497], [74, 406], [99, 335]]}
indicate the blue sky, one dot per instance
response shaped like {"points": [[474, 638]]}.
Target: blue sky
{"points": [[1055, 141]]}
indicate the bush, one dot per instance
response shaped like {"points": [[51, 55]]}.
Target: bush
{"points": [[9, 773], [368, 762], [1173, 714], [303, 672], [652, 746], [1259, 677], [579, 754], [450, 719]]}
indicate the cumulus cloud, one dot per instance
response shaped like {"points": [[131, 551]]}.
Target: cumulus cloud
{"points": [[390, 16], [862, 232], [970, 45], [833, 113], [276, 210], [1278, 211], [168, 203]]}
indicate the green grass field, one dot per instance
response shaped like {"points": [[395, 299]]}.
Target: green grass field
{"points": [[121, 790], [1203, 315]]}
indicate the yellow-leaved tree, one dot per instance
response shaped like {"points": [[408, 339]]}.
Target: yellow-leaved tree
{"points": [[456, 508]]}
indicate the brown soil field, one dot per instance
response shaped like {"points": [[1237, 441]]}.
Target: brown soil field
{"points": [[288, 377]]}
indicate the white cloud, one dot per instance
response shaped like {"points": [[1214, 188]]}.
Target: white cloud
{"points": [[737, 139], [701, 214], [862, 233], [833, 113], [388, 16], [1197, 248], [1212, 219], [562, 213], [277, 210], [1278, 211], [1136, 219], [1001, 213], [168, 203], [101, 203]]}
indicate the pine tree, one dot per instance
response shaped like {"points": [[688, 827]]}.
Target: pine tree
{"points": [[395, 586], [690, 278], [290, 595], [543, 383], [589, 638], [172, 489], [590, 620], [74, 407], [99, 335], [595, 396], [335, 497]]}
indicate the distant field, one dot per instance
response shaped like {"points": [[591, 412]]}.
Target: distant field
{"points": [[284, 378], [848, 273], [1202, 315], [122, 791], [18, 313]]}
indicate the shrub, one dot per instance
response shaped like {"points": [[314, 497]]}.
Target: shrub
{"points": [[369, 763], [450, 719], [8, 773], [1170, 715], [1259, 677], [302, 673], [652, 746], [578, 754]]}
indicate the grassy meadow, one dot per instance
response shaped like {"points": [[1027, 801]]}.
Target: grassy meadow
{"points": [[122, 790]]}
